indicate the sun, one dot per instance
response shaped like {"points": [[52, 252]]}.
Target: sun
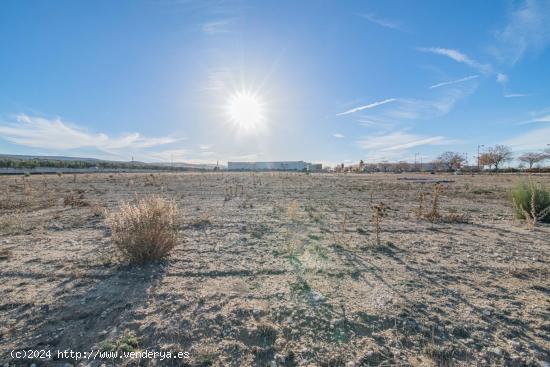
{"points": [[246, 111]]}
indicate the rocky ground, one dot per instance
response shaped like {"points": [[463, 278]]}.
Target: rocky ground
{"points": [[278, 269]]}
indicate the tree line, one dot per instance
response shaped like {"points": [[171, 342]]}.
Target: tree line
{"points": [[493, 157], [21, 163]]}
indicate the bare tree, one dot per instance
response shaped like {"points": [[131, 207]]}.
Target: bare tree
{"points": [[499, 154], [451, 160], [531, 158]]}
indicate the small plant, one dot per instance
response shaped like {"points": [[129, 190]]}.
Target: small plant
{"points": [[75, 199], [420, 210], [145, 231], [433, 215], [531, 202], [344, 224], [379, 211], [202, 222], [126, 343], [292, 210], [4, 254]]}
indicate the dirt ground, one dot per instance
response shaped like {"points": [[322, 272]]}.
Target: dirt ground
{"points": [[277, 269]]}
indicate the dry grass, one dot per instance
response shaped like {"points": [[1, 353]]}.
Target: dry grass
{"points": [[144, 231], [75, 199], [5, 254], [378, 212], [292, 210], [433, 215]]}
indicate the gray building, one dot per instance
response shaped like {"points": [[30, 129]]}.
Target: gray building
{"points": [[273, 166]]}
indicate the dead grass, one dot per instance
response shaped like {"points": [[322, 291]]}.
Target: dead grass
{"points": [[75, 199], [146, 230], [5, 254]]}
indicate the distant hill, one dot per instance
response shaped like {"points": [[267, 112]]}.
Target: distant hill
{"points": [[50, 157], [29, 161]]}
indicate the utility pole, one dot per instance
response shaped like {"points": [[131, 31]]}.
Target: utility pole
{"points": [[415, 154]]}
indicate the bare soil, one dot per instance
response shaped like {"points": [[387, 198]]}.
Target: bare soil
{"points": [[278, 269]]}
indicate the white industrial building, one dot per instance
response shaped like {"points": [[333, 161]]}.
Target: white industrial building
{"points": [[273, 166]]}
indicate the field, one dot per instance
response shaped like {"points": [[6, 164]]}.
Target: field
{"points": [[278, 269]]}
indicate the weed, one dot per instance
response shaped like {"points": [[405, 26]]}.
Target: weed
{"points": [[75, 199], [531, 202], [433, 215], [5, 254], [146, 230], [126, 343], [379, 211], [202, 222], [292, 210], [420, 210]]}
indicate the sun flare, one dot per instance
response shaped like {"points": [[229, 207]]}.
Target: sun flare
{"points": [[246, 111]]}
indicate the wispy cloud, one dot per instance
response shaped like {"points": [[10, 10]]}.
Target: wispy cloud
{"points": [[502, 78], [55, 134], [527, 30], [171, 155], [383, 22], [541, 118], [415, 109], [372, 105], [338, 136], [458, 57], [454, 81], [531, 140], [397, 145], [517, 95], [218, 26]]}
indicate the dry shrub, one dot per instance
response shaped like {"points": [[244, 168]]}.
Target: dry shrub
{"points": [[75, 199], [378, 212], [5, 254], [433, 215], [292, 210], [455, 217], [145, 231]]}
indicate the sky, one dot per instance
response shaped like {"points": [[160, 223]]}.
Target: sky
{"points": [[203, 81]]}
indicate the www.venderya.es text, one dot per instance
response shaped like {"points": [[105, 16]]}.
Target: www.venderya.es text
{"points": [[46, 354]]}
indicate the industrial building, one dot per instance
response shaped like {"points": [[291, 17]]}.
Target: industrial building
{"points": [[273, 166]]}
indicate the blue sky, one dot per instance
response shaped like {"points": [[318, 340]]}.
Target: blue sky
{"points": [[336, 81]]}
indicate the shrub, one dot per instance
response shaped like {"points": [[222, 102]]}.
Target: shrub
{"points": [[531, 202], [145, 231]]}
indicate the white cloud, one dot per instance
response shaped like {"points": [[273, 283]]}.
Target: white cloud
{"points": [[532, 140], [527, 30], [540, 118], [396, 145], [338, 136], [502, 78], [458, 57], [171, 155], [55, 134], [387, 23], [454, 81], [414, 109], [218, 26], [516, 95], [399, 141], [372, 105]]}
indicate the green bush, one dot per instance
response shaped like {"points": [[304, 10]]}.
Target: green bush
{"points": [[524, 194]]}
